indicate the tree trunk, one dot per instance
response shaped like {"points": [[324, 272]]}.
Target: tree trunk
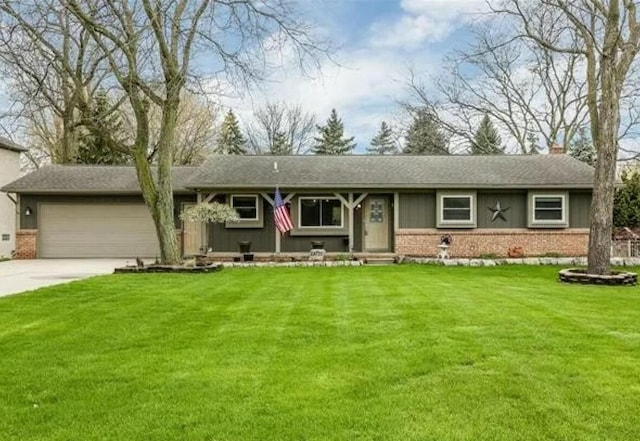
{"points": [[606, 142]]}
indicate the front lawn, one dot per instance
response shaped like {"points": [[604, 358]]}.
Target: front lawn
{"points": [[371, 353]]}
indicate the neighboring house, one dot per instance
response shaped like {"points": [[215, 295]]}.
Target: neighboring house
{"points": [[401, 204], [9, 171]]}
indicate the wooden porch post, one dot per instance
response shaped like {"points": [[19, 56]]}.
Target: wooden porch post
{"points": [[351, 220]]}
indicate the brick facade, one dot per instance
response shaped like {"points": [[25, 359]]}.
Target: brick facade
{"points": [[474, 243], [26, 244]]}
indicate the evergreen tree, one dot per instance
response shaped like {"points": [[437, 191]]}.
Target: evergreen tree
{"points": [[486, 140], [424, 137], [94, 148], [626, 203], [383, 142], [230, 140], [280, 144], [331, 140], [582, 148]]}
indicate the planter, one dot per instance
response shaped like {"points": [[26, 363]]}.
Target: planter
{"points": [[575, 275], [245, 246], [247, 257], [317, 244]]}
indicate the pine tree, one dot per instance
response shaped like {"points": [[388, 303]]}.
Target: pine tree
{"points": [[280, 144], [486, 140], [331, 140], [626, 203], [93, 148], [582, 148], [230, 140], [424, 137], [383, 142]]}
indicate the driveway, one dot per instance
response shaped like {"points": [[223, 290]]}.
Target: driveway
{"points": [[24, 275]]}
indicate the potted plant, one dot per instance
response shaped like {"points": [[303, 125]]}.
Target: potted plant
{"points": [[317, 244]]}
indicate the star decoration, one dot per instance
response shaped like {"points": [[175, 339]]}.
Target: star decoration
{"points": [[498, 212]]}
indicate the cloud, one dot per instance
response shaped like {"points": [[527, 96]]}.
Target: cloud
{"points": [[424, 21]]}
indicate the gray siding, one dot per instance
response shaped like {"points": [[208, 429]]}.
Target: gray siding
{"points": [[516, 215], [223, 239], [417, 210], [32, 201], [579, 207]]}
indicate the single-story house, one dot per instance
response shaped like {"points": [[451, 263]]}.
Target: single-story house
{"points": [[9, 171], [370, 204]]}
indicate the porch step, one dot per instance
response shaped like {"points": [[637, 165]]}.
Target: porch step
{"points": [[379, 261]]}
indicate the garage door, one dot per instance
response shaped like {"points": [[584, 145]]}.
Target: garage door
{"points": [[96, 230]]}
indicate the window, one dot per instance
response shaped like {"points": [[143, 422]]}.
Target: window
{"points": [[6, 237], [320, 212], [548, 209], [246, 206], [456, 209]]}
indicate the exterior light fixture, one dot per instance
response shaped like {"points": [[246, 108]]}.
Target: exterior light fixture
{"points": [[28, 211]]}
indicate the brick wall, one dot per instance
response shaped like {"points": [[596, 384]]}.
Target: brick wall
{"points": [[26, 244], [473, 243]]}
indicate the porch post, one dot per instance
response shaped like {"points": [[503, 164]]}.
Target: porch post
{"points": [[351, 218], [203, 229]]}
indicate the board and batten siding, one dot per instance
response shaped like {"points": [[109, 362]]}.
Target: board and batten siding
{"points": [[418, 210]]}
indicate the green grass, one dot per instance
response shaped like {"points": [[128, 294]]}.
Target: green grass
{"points": [[383, 353]]}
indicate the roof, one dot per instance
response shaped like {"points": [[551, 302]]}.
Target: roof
{"points": [[336, 172], [399, 171], [7, 144], [89, 179]]}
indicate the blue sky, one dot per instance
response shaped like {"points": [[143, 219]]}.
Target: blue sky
{"points": [[378, 42]]}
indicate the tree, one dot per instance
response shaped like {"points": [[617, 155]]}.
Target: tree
{"points": [[331, 140], [93, 148], [383, 143], [424, 136], [582, 148], [281, 129], [143, 50], [605, 35], [626, 205], [487, 140], [230, 140]]}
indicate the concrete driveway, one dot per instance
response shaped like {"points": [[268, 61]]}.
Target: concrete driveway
{"points": [[24, 275]]}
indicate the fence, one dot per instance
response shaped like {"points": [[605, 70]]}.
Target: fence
{"points": [[625, 248]]}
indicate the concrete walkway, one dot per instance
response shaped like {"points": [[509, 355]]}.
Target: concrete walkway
{"points": [[25, 275]]}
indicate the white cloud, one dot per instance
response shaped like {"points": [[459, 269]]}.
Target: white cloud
{"points": [[424, 21]]}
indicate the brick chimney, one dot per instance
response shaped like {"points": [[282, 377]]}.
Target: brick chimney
{"points": [[556, 149]]}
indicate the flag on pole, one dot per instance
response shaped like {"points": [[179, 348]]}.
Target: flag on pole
{"points": [[281, 214]]}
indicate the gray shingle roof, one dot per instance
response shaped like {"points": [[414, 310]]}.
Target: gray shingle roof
{"points": [[89, 179], [7, 144], [295, 172], [500, 171]]}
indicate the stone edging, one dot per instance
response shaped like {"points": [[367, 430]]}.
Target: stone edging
{"points": [[576, 275], [568, 261]]}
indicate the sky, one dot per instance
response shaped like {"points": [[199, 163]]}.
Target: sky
{"points": [[377, 43]]}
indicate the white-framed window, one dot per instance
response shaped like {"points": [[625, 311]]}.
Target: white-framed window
{"points": [[319, 212], [548, 209], [457, 210], [246, 205]]}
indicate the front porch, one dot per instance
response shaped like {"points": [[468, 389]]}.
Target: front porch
{"points": [[301, 257]]}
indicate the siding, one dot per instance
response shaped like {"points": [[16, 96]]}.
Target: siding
{"points": [[579, 208], [417, 210], [9, 170], [223, 239], [516, 215]]}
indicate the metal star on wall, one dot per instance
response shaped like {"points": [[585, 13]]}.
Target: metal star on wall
{"points": [[498, 212]]}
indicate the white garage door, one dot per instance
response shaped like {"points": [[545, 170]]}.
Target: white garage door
{"points": [[96, 230]]}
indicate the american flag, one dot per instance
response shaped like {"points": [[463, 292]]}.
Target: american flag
{"points": [[281, 214]]}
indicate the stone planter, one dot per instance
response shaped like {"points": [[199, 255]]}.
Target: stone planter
{"points": [[616, 278]]}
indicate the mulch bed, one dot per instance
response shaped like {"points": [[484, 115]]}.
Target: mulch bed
{"points": [[167, 269]]}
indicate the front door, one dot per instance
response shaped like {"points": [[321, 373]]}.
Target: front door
{"points": [[376, 223]]}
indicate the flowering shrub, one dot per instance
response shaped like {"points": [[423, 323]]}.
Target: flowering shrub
{"points": [[210, 212]]}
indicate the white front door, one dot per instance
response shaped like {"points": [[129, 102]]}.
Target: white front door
{"points": [[376, 223]]}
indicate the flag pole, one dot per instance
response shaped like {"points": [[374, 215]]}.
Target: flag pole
{"points": [[278, 234]]}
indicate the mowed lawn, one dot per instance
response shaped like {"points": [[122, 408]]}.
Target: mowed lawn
{"points": [[371, 353]]}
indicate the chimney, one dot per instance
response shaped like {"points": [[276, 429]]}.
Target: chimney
{"points": [[556, 149]]}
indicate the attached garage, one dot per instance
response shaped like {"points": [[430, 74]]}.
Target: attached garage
{"points": [[96, 231]]}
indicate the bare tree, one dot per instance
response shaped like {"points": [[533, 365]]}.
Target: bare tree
{"points": [[605, 35], [281, 129], [146, 48], [529, 92]]}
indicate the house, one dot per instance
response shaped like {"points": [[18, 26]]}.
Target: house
{"points": [[9, 171], [400, 204]]}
